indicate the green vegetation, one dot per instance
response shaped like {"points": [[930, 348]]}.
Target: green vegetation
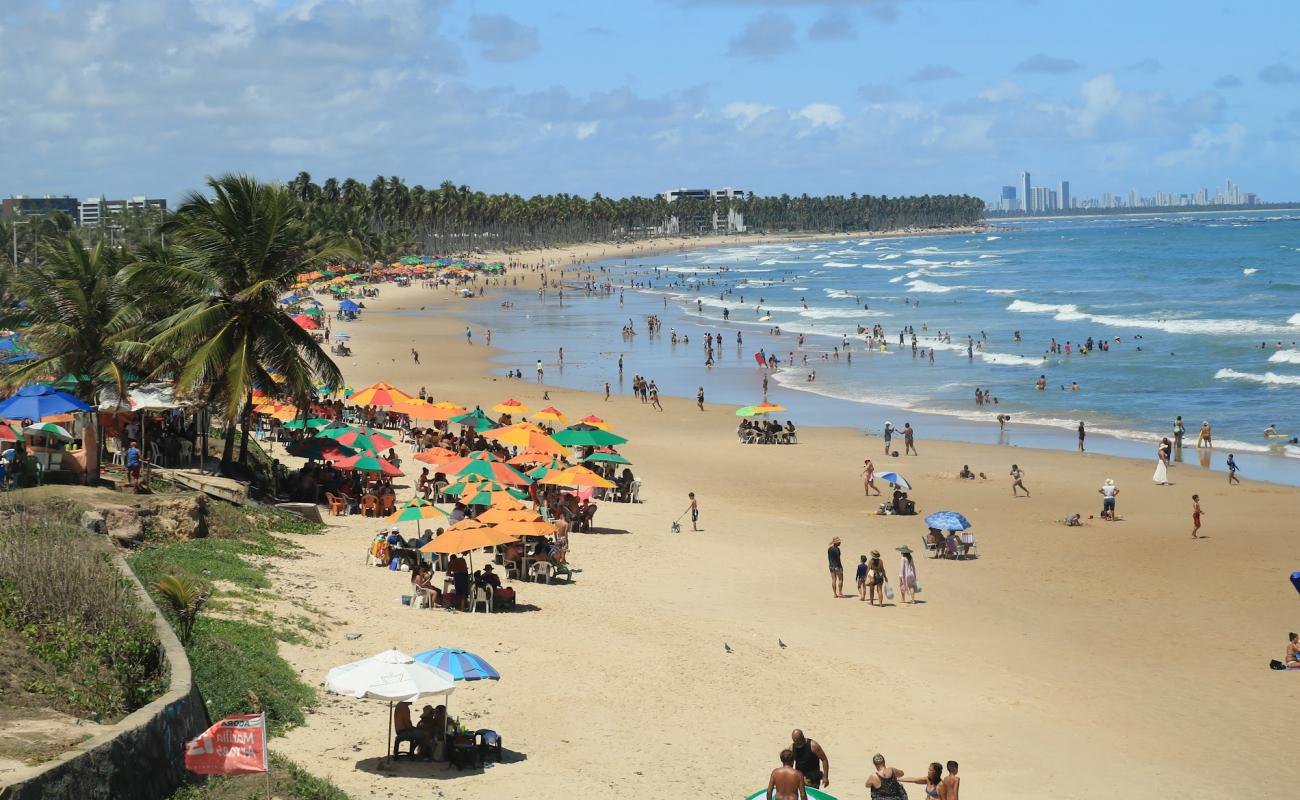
{"points": [[288, 781], [93, 649], [232, 645]]}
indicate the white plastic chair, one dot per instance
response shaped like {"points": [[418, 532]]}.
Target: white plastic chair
{"points": [[117, 451], [541, 570], [156, 453], [187, 452], [481, 595]]}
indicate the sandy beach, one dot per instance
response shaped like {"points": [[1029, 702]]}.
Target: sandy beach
{"points": [[1114, 659]]}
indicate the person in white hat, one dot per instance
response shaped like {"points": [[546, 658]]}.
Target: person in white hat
{"points": [[1108, 492]]}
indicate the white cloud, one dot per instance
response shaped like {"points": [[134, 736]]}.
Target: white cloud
{"points": [[1003, 91], [587, 129], [745, 112], [820, 114], [1218, 146]]}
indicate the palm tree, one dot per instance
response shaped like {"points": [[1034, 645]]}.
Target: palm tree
{"points": [[78, 315], [237, 253]]}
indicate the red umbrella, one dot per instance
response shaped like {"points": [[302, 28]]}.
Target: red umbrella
{"points": [[305, 322]]}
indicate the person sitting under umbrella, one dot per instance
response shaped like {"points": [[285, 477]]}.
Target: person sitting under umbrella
{"points": [[420, 738], [486, 578]]}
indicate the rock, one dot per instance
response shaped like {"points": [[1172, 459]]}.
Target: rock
{"points": [[93, 521], [120, 522], [178, 518]]}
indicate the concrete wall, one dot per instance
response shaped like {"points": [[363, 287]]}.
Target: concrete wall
{"points": [[142, 757]]}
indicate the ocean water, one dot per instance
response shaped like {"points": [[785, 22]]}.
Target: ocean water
{"points": [[1201, 312]]}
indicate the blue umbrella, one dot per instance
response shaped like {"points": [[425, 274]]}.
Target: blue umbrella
{"points": [[39, 401], [342, 336], [460, 664], [290, 300], [896, 479], [947, 521], [348, 305]]}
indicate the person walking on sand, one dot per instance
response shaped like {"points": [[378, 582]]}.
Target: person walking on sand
{"points": [[1082, 434], [469, 335], [1232, 470], [699, 398], [883, 782], [906, 576], [811, 760], [1196, 515], [415, 355], [837, 567], [869, 478], [606, 391], [1161, 475], [654, 396], [786, 782], [694, 508], [1017, 481], [862, 577], [876, 579], [909, 444]]}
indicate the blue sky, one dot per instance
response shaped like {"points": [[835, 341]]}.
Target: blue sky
{"points": [[873, 96]]}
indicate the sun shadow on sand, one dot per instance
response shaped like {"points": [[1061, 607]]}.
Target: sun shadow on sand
{"points": [[603, 531], [415, 768]]}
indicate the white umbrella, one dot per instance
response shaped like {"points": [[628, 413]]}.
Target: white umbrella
{"points": [[49, 429], [391, 675]]}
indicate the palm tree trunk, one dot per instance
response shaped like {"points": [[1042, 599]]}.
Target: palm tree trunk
{"points": [[245, 420], [228, 451]]}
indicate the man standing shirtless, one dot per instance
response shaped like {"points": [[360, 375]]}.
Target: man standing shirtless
{"points": [[786, 782]]}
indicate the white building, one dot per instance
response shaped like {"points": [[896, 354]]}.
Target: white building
{"points": [[726, 218], [94, 210]]}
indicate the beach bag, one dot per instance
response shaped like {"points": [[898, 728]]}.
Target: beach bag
{"points": [[889, 592], [1275, 664], [916, 588]]}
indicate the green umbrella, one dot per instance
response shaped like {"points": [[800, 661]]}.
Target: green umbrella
{"points": [[476, 419], [333, 430], [297, 424], [314, 311], [418, 508], [479, 493], [612, 458], [538, 473], [587, 436], [49, 429]]}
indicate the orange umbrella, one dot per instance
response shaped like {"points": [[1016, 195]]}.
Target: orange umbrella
{"points": [[551, 413], [445, 404], [498, 514], [519, 527], [436, 455], [576, 477], [595, 422], [380, 394], [427, 413], [510, 407], [465, 536], [529, 457], [516, 434]]}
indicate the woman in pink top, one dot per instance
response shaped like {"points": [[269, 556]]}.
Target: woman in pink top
{"points": [[907, 575]]}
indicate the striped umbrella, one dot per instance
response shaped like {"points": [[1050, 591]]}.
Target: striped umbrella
{"points": [[551, 413], [511, 407], [381, 394], [49, 429], [461, 665]]}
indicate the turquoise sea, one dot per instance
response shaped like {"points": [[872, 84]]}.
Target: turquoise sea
{"points": [[1201, 314]]}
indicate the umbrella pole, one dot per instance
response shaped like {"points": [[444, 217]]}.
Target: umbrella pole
{"points": [[388, 754]]}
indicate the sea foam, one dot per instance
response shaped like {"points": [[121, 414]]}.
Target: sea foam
{"points": [[1285, 357], [1070, 313], [1269, 378]]}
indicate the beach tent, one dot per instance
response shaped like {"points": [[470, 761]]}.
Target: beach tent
{"points": [[390, 676], [349, 305], [305, 322]]}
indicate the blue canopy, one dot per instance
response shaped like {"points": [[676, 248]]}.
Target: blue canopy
{"points": [[18, 359], [39, 401], [460, 664], [947, 521], [290, 300], [348, 305]]}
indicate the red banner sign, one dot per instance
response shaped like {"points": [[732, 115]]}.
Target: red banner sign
{"points": [[234, 746]]}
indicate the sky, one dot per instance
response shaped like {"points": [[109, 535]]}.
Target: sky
{"points": [[637, 96]]}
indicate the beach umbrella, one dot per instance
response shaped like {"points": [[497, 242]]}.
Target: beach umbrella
{"points": [[529, 458], [335, 428], [461, 665], [313, 312], [320, 449], [511, 407], [436, 455], [482, 493], [578, 478], [415, 510], [359, 440], [516, 434], [587, 436], [305, 322], [39, 401], [526, 527], [380, 394], [49, 429], [421, 411], [896, 479], [8, 433], [484, 465], [595, 422], [498, 514], [390, 676], [348, 305], [761, 408], [475, 419], [466, 536], [947, 521], [551, 413], [546, 469], [314, 422], [607, 457], [366, 462]]}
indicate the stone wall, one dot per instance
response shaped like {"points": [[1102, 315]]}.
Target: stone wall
{"points": [[142, 757]]}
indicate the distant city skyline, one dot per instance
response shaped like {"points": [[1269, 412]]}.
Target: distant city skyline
{"points": [[1030, 198], [783, 96]]}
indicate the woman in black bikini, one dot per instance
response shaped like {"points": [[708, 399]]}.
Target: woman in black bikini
{"points": [[932, 780]]}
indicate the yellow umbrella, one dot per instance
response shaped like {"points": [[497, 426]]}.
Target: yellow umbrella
{"points": [[424, 412], [499, 514], [551, 413], [380, 394], [515, 435], [576, 477], [510, 407], [519, 527]]}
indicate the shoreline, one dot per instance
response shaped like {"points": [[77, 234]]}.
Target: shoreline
{"points": [[1021, 664]]}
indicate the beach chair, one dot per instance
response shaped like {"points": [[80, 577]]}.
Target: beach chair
{"points": [[634, 494], [541, 571], [480, 595], [968, 545], [187, 453], [338, 506], [930, 547], [489, 744], [116, 450], [156, 454], [370, 506]]}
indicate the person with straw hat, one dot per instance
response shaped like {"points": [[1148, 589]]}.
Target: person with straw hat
{"points": [[907, 575], [876, 579], [837, 567]]}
